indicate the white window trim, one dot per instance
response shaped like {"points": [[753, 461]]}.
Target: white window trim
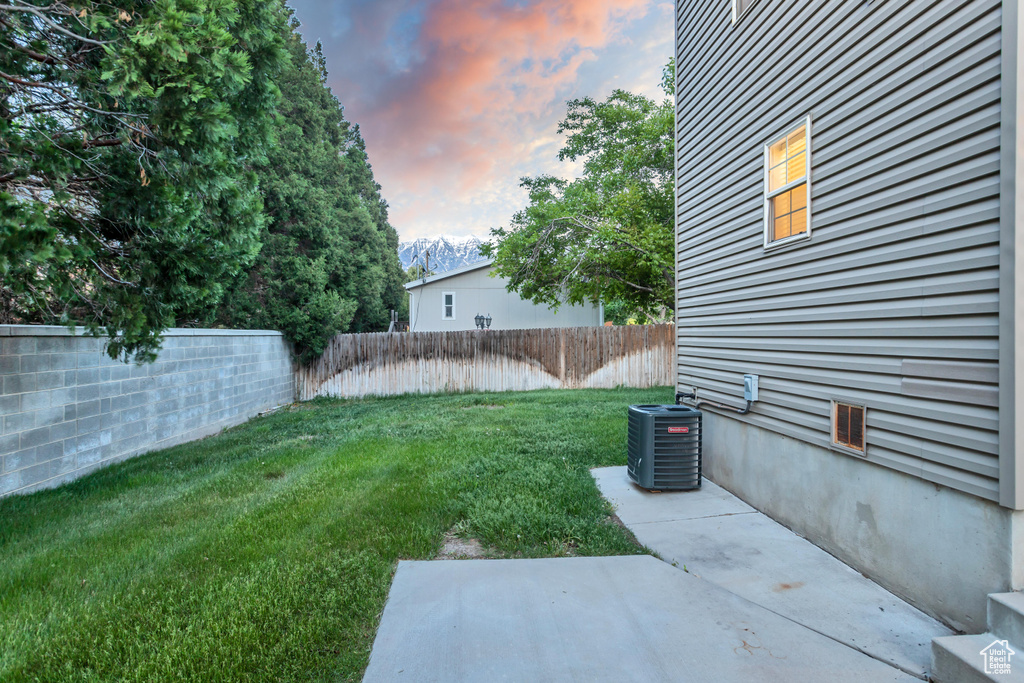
{"points": [[768, 244], [832, 427], [443, 305], [736, 16]]}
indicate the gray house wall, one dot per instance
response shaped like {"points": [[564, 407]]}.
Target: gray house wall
{"points": [[477, 292], [893, 303], [66, 408]]}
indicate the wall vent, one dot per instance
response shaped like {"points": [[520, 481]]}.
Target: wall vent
{"points": [[848, 425]]}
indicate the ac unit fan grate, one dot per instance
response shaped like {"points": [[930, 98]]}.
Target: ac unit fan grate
{"points": [[664, 447]]}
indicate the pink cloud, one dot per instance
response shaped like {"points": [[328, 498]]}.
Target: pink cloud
{"points": [[477, 82], [496, 67]]}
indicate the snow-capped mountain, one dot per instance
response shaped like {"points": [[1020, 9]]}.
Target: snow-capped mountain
{"points": [[446, 252]]}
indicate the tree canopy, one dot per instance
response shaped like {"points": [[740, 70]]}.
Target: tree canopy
{"points": [[128, 137], [329, 261], [608, 235]]}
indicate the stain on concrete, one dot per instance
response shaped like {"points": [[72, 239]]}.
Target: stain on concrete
{"points": [[782, 587], [866, 515]]}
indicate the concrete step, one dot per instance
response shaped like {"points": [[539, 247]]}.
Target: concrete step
{"points": [[1006, 617], [959, 659]]}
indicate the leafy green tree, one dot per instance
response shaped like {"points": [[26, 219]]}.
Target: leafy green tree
{"points": [[607, 235], [619, 313], [127, 138], [329, 261]]}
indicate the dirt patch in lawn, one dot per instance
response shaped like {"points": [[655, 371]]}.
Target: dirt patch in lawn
{"points": [[457, 548]]}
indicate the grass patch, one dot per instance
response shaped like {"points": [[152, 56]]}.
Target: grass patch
{"points": [[266, 552]]}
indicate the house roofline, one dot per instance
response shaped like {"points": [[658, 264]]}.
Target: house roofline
{"points": [[449, 273]]}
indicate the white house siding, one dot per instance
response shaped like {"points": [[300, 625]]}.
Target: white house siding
{"points": [[477, 292], [893, 302]]}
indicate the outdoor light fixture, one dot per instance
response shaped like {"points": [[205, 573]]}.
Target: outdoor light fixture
{"points": [[479, 321], [488, 321]]}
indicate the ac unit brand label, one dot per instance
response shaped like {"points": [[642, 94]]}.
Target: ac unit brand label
{"points": [[678, 430]]}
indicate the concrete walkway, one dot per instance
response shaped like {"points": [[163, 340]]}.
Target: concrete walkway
{"points": [[757, 603], [721, 539], [593, 619]]}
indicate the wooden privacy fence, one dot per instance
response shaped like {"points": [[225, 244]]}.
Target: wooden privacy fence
{"points": [[494, 360]]}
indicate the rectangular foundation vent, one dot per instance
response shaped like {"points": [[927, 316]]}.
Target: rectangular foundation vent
{"points": [[848, 425]]}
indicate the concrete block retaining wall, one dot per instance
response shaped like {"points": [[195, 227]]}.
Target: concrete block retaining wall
{"points": [[66, 408]]}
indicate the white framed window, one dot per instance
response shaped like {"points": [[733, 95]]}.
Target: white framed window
{"points": [[787, 186], [739, 8], [448, 305], [849, 425]]}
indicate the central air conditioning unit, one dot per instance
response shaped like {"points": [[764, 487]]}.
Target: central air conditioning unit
{"points": [[664, 447]]}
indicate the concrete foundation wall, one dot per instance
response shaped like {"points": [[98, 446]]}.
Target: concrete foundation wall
{"points": [[942, 550], [66, 408]]}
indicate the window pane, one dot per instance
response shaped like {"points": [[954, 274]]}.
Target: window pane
{"points": [[781, 228], [777, 153], [448, 311], [797, 141], [781, 204], [776, 177], [799, 195], [799, 222], [797, 166]]}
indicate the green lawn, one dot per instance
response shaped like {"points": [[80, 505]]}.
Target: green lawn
{"points": [[266, 552]]}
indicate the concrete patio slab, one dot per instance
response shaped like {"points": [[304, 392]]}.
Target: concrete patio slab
{"points": [[644, 507], [593, 619], [721, 539]]}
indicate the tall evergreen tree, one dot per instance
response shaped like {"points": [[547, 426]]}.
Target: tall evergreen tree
{"points": [[329, 261], [127, 137], [373, 313]]}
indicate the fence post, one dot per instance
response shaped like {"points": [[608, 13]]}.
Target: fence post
{"points": [[561, 357]]}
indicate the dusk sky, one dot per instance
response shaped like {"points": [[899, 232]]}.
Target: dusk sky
{"points": [[457, 99]]}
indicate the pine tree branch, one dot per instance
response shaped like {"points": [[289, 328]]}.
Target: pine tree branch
{"points": [[45, 18]]}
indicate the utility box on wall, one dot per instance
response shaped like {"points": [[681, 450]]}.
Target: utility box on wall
{"points": [[664, 447], [750, 388]]}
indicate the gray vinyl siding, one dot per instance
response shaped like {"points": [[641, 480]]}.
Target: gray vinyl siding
{"points": [[476, 292], [894, 302]]}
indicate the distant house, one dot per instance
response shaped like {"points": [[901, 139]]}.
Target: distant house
{"points": [[848, 179], [452, 300]]}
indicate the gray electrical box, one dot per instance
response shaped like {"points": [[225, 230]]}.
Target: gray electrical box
{"points": [[663, 449], [750, 387]]}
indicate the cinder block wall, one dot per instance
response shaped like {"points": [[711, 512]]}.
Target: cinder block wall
{"points": [[68, 409]]}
